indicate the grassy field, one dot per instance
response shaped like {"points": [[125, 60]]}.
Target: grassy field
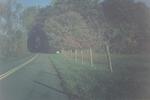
{"points": [[129, 80]]}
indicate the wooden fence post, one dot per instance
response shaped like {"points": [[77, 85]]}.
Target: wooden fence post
{"points": [[109, 57], [82, 56], [91, 57], [71, 53], [62, 51], [76, 53]]}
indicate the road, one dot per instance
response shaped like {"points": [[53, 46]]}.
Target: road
{"points": [[36, 81]]}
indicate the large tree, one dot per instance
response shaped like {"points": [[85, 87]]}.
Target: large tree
{"points": [[12, 32], [130, 20]]}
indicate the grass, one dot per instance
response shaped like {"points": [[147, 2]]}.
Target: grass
{"points": [[97, 83]]}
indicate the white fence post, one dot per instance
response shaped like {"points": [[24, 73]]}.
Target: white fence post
{"points": [[76, 53], [82, 56], [91, 57], [71, 54]]}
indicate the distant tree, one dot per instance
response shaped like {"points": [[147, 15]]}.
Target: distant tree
{"points": [[29, 16], [11, 29]]}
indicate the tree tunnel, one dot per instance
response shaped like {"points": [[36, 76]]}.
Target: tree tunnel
{"points": [[38, 41]]}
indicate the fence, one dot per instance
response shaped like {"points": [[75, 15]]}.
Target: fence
{"points": [[89, 55]]}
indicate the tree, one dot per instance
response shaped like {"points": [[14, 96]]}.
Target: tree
{"points": [[11, 29], [129, 19], [29, 17]]}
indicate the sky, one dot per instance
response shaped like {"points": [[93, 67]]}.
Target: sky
{"points": [[27, 3], [147, 2], [43, 3]]}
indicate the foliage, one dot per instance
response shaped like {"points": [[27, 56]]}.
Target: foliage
{"points": [[122, 24], [70, 27], [69, 24], [12, 36], [29, 17], [131, 21]]}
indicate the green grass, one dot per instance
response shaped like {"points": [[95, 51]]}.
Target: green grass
{"points": [[97, 83]]}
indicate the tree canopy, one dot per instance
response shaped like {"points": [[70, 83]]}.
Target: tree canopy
{"points": [[123, 24]]}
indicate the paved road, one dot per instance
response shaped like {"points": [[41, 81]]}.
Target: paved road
{"points": [[36, 81]]}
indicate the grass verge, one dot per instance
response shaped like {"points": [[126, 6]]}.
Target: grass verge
{"points": [[97, 83]]}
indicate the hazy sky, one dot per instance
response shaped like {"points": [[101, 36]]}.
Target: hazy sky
{"points": [[47, 2], [35, 2], [147, 2]]}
